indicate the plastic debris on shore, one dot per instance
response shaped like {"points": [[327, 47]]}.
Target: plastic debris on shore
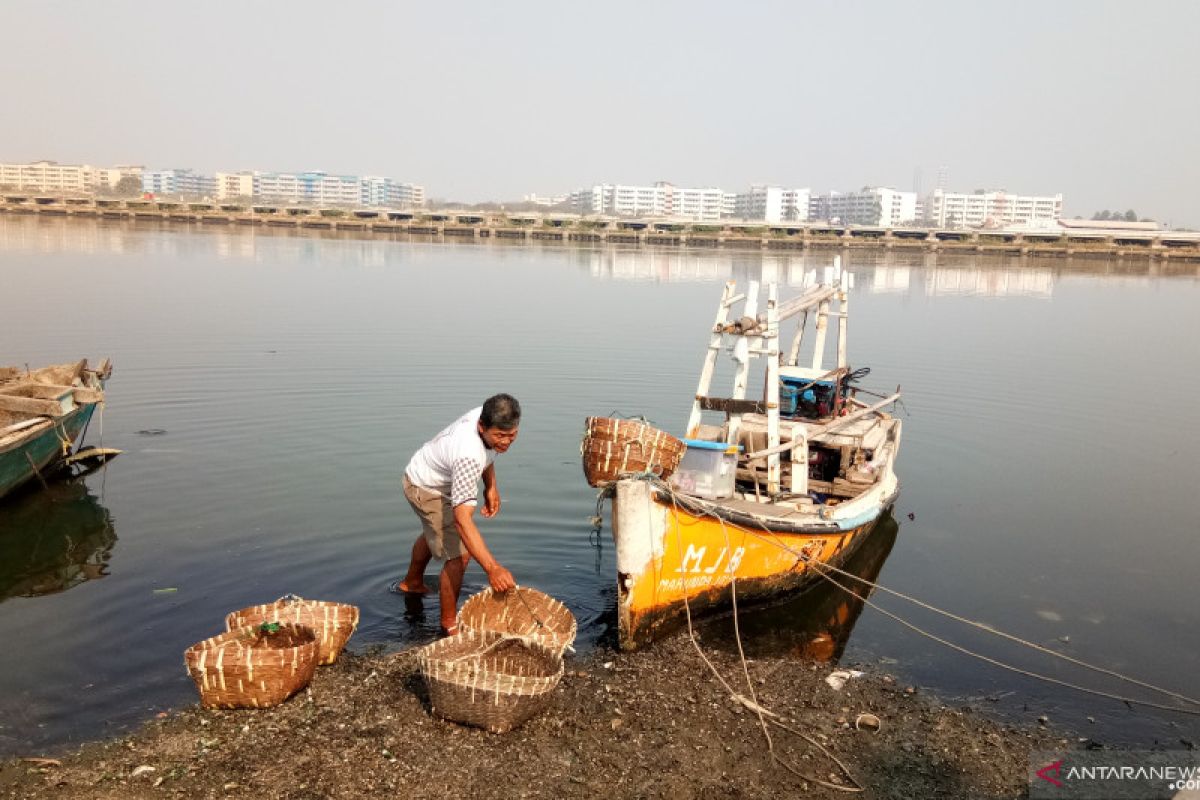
{"points": [[837, 679]]}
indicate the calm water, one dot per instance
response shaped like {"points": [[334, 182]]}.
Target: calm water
{"points": [[1049, 463]]}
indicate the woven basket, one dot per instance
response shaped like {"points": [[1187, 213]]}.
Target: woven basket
{"points": [[487, 679], [612, 447], [245, 668], [333, 623], [522, 612]]}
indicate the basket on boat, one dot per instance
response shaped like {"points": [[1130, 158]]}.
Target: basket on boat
{"points": [[253, 666], [523, 613], [333, 623], [612, 447], [487, 679]]}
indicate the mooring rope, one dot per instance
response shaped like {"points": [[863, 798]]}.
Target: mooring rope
{"points": [[753, 703], [1003, 634], [1020, 671], [663, 486]]}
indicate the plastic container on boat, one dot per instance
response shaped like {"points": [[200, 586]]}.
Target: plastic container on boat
{"points": [[708, 469]]}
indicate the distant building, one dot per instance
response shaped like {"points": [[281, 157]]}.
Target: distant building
{"points": [[391, 192], [234, 185], [984, 209], [318, 188], [178, 181], [47, 176], [660, 200], [50, 176], [772, 204], [871, 206], [1107, 226], [542, 200], [704, 204]]}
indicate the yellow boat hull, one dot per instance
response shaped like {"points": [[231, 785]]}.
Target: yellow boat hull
{"points": [[673, 559]]}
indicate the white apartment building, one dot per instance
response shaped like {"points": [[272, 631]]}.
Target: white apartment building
{"points": [[543, 200], [234, 185], [871, 206], [108, 178], [318, 188], [47, 176], [635, 201], [706, 204], [178, 181], [378, 191], [729, 205], [989, 209], [795, 204], [760, 202], [772, 204], [588, 200], [50, 176], [660, 200]]}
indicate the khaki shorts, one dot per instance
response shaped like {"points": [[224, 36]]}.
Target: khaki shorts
{"points": [[437, 521]]}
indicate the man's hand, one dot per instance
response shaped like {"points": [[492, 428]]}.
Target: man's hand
{"points": [[491, 501], [501, 579]]}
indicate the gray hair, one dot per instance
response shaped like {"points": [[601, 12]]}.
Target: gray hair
{"points": [[501, 411]]}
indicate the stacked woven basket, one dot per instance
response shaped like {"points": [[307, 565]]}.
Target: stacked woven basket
{"points": [[496, 673], [501, 667], [614, 447], [269, 652]]}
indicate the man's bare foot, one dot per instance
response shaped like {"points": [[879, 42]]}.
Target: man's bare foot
{"points": [[408, 587]]}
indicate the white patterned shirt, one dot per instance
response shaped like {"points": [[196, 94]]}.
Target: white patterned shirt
{"points": [[452, 462]]}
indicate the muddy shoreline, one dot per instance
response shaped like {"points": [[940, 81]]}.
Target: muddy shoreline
{"points": [[649, 724]]}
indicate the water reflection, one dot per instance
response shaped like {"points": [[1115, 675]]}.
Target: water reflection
{"points": [[53, 539], [816, 624], [1037, 283], [794, 270], [883, 271]]}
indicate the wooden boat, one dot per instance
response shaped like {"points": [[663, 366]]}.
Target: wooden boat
{"points": [[43, 414], [813, 471]]}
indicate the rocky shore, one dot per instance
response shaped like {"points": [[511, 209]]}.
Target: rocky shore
{"points": [[650, 724]]}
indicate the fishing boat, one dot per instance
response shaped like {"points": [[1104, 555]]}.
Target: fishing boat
{"points": [[44, 414], [778, 491]]}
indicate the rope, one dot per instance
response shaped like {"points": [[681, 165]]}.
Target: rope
{"points": [[753, 703], [819, 566], [103, 464], [64, 442], [1025, 672], [1009, 636]]}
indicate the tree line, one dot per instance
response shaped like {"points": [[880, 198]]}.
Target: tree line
{"points": [[1117, 216]]}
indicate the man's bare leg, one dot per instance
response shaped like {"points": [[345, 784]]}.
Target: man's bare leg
{"points": [[414, 581], [449, 587]]}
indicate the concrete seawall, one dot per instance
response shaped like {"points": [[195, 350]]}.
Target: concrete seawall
{"points": [[458, 226]]}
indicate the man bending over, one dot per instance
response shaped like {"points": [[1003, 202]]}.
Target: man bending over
{"points": [[441, 483]]}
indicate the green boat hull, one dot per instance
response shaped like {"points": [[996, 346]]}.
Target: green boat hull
{"points": [[22, 461]]}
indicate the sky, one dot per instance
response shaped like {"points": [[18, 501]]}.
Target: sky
{"points": [[482, 101]]}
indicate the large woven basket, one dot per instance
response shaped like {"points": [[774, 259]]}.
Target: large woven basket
{"points": [[333, 623], [250, 667], [613, 447], [521, 612], [489, 680]]}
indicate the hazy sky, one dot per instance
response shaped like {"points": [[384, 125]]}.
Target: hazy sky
{"points": [[475, 100]]}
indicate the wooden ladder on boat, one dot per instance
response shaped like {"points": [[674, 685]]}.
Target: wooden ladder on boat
{"points": [[755, 334]]}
